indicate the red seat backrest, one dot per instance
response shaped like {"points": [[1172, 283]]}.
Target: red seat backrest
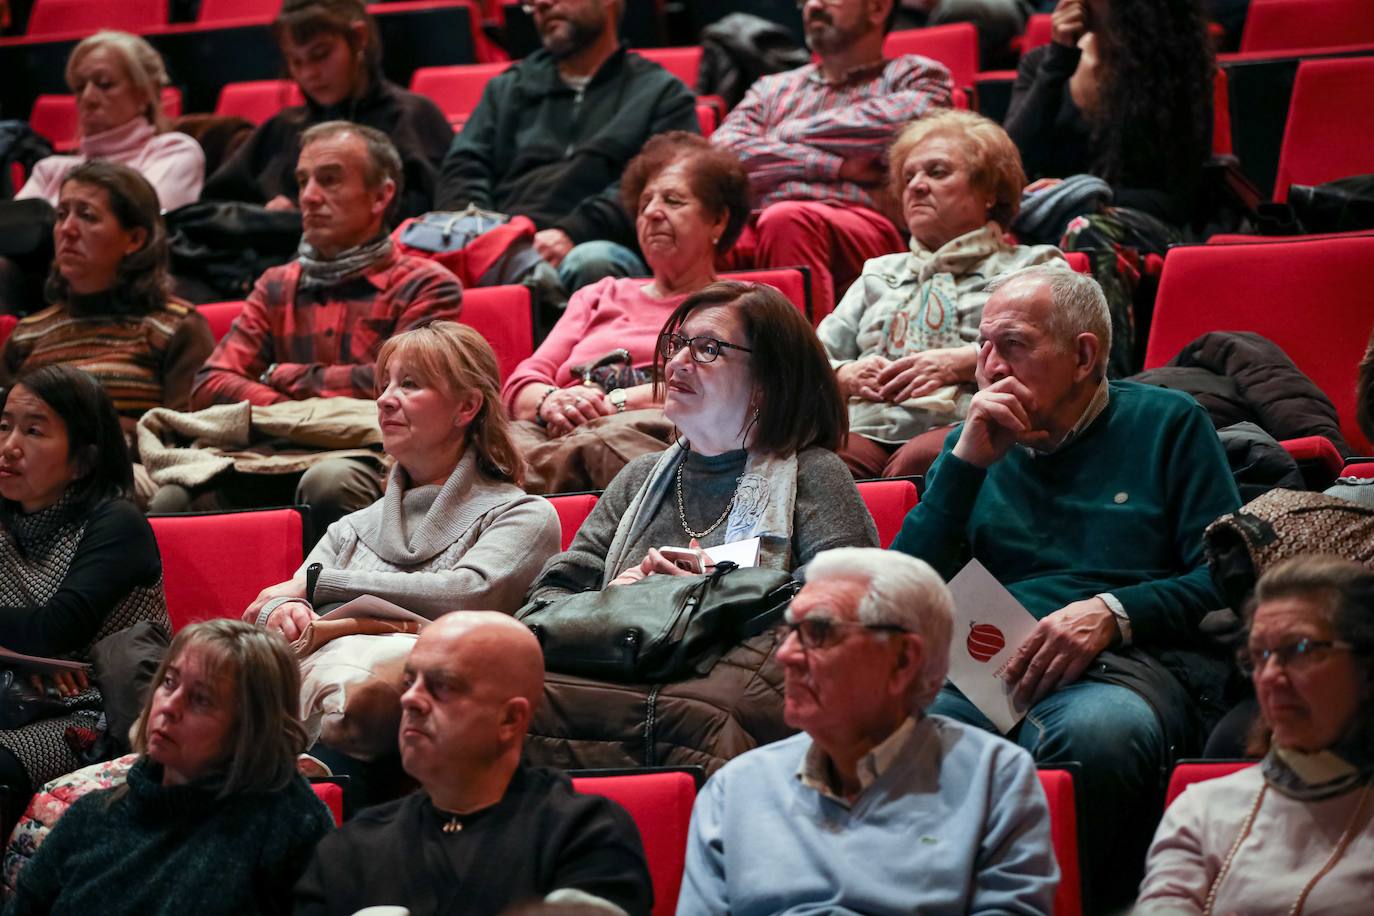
{"points": [[220, 316], [7, 324], [684, 63], [215, 565], [792, 282], [954, 45], [1059, 793], [888, 501], [1361, 469], [457, 89], [1039, 31], [1185, 774], [331, 793], [58, 17], [1330, 129], [1290, 25], [258, 100], [661, 805], [708, 118], [572, 512], [221, 10], [501, 314], [1311, 297]]}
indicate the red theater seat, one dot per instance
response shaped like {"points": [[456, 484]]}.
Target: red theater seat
{"points": [[1308, 296], [1039, 31], [955, 46], [1290, 25], [458, 89], [214, 565], [502, 315], [792, 282], [1059, 793], [331, 793], [1330, 129], [258, 100], [7, 323], [680, 62], [661, 804], [1187, 772], [220, 316], [222, 10], [74, 17], [572, 512], [888, 501]]}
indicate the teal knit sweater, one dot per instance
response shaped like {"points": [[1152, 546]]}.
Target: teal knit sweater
{"points": [[1121, 509], [173, 850]]}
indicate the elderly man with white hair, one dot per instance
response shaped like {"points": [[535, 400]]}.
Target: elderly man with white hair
{"points": [[877, 807], [1087, 499]]}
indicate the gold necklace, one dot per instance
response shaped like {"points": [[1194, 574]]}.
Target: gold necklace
{"points": [[682, 511]]}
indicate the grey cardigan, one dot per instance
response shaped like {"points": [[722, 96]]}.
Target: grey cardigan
{"points": [[471, 544]]}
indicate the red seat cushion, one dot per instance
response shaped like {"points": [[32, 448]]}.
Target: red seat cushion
{"points": [[572, 512], [1330, 128], [661, 805], [955, 46], [1059, 793], [1290, 25], [888, 501]]}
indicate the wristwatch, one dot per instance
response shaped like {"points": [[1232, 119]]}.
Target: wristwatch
{"points": [[618, 397]]}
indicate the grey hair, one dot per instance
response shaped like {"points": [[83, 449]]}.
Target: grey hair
{"points": [[142, 64], [1078, 305], [383, 161], [902, 591]]}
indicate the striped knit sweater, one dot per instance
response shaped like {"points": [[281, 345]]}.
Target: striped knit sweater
{"points": [[143, 360]]}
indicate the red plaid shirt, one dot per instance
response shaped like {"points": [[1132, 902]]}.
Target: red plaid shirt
{"points": [[793, 130], [323, 339]]}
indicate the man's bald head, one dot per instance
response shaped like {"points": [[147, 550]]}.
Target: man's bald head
{"points": [[495, 649]]}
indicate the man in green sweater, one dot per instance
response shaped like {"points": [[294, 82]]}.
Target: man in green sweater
{"points": [[1087, 500]]}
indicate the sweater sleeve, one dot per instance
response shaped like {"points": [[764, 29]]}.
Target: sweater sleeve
{"points": [[116, 554], [839, 331], [331, 871], [176, 170], [829, 512], [703, 876], [295, 826], [190, 346], [231, 373], [1016, 871], [493, 574], [1176, 870], [1036, 98], [936, 530]]}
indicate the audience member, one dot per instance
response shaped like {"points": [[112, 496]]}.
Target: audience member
{"points": [[77, 560], [690, 201], [454, 530], [1295, 833], [903, 340], [313, 327], [1087, 500], [876, 807], [112, 314], [213, 817], [552, 135], [748, 386], [485, 832], [332, 51], [814, 141], [118, 80]]}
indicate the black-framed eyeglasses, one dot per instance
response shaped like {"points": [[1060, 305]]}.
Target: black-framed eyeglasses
{"points": [[703, 349], [1293, 656], [820, 632]]}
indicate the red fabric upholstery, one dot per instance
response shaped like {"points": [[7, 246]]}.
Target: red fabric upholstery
{"points": [[331, 793], [7, 323], [54, 116], [258, 100], [220, 316], [1221, 113], [1361, 469], [888, 501], [1309, 297], [1039, 31], [1185, 774], [572, 512], [708, 119], [456, 90], [954, 45], [680, 62], [502, 315], [1227, 238], [1318, 450], [485, 50], [215, 565], [792, 282], [661, 805], [1274, 25], [1078, 260], [1330, 129], [1059, 793], [221, 10], [70, 17]]}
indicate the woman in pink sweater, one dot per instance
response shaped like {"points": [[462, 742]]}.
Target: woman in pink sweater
{"points": [[118, 79], [690, 202]]}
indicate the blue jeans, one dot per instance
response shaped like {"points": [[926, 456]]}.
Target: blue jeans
{"points": [[592, 261], [1119, 743]]}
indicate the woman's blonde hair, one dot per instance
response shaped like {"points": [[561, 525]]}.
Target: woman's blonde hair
{"points": [[457, 359], [142, 64], [267, 734], [993, 162]]}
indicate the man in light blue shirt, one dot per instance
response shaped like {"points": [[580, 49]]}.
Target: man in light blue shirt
{"points": [[876, 807]]}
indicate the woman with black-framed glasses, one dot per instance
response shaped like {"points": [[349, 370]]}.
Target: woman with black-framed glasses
{"points": [[1294, 834]]}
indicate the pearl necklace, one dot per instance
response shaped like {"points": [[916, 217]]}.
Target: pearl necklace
{"points": [[1331, 860], [682, 510]]}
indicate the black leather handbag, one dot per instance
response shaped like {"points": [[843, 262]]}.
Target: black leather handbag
{"points": [[21, 702], [663, 628]]}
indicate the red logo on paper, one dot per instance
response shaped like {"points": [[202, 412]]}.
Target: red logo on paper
{"points": [[985, 641]]}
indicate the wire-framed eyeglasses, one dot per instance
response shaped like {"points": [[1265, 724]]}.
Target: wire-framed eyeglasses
{"points": [[1293, 656], [703, 349], [820, 632]]}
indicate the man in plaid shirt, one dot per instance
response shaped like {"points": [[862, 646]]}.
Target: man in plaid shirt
{"points": [[312, 328], [814, 141]]}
